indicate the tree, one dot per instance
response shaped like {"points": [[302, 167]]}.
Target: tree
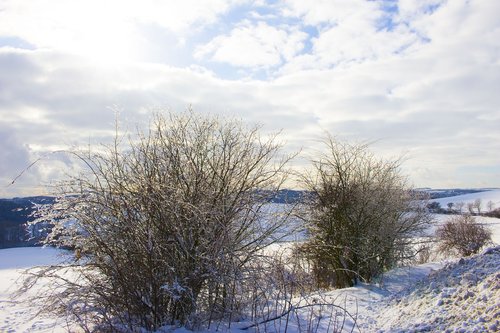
{"points": [[450, 206], [490, 205], [477, 205], [460, 205], [470, 208], [462, 234], [363, 217], [434, 207], [165, 224]]}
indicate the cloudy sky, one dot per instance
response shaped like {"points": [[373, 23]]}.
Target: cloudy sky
{"points": [[416, 77]]}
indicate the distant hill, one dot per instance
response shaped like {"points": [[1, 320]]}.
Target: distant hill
{"points": [[450, 192], [289, 196], [14, 214]]}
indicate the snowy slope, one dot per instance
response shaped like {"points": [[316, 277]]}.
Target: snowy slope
{"points": [[464, 295], [461, 297], [485, 197]]}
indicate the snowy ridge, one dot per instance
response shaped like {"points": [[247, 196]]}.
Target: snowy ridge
{"points": [[462, 297]]}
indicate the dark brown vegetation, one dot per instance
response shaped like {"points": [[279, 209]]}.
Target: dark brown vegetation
{"points": [[166, 226], [461, 233], [363, 218]]}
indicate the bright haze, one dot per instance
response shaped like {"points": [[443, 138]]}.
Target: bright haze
{"points": [[419, 78]]}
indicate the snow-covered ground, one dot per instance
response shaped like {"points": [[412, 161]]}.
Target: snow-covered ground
{"points": [[493, 224], [17, 315], [464, 296], [485, 197], [452, 295]]}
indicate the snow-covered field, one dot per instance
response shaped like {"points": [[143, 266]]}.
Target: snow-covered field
{"points": [[452, 295], [486, 196], [17, 315]]}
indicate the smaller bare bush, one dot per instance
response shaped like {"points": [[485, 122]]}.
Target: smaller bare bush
{"points": [[462, 234], [494, 213]]}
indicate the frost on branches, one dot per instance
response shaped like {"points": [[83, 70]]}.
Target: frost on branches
{"points": [[165, 226]]}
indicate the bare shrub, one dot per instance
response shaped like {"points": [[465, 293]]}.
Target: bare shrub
{"points": [[165, 225], [462, 234], [363, 217], [494, 213]]}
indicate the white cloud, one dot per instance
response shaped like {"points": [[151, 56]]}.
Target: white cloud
{"points": [[409, 10], [348, 32], [346, 43], [333, 11], [437, 100], [107, 31], [254, 45]]}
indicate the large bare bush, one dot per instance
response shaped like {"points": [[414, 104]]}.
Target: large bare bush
{"points": [[363, 217], [463, 234], [164, 225]]}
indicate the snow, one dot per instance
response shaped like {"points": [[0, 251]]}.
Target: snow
{"points": [[456, 296], [493, 224], [16, 315], [25, 257], [485, 196], [451, 295], [464, 296], [488, 195]]}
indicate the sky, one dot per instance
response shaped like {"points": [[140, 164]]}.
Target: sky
{"points": [[418, 78]]}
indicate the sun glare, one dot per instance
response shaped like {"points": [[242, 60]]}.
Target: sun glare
{"points": [[102, 32], [107, 38]]}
